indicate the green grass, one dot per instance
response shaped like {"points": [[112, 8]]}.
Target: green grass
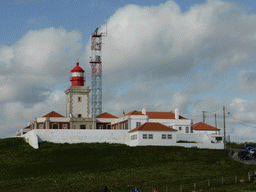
{"points": [[89, 167]]}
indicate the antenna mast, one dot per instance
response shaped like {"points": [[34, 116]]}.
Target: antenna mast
{"points": [[96, 64]]}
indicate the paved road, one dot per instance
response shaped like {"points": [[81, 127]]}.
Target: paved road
{"points": [[235, 157]]}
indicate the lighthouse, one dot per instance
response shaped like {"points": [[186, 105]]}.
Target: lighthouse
{"points": [[77, 78], [78, 101]]}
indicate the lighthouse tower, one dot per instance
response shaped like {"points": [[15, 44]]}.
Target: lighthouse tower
{"points": [[78, 101]]}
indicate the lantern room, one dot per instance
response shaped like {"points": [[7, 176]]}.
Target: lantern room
{"points": [[77, 78]]}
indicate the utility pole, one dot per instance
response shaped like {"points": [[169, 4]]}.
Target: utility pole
{"points": [[204, 116], [215, 122], [224, 126]]}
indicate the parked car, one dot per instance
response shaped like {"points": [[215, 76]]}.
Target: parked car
{"points": [[243, 154], [247, 145], [248, 149], [252, 151]]}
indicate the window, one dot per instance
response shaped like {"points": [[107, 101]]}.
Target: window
{"points": [[187, 129], [163, 136], [64, 126], [82, 126], [144, 136], [79, 99], [150, 136], [79, 115], [133, 137], [170, 136], [138, 124], [108, 126], [191, 129], [90, 126], [55, 126], [74, 126], [180, 128]]}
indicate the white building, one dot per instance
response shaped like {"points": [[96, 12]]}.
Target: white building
{"points": [[152, 134], [135, 118]]}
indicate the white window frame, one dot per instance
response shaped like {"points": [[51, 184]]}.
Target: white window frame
{"points": [[138, 124], [150, 136], [144, 136], [163, 136], [169, 136], [187, 130]]}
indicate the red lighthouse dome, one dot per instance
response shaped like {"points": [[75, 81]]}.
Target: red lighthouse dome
{"points": [[77, 78]]}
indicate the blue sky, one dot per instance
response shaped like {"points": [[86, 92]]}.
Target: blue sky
{"points": [[187, 54]]}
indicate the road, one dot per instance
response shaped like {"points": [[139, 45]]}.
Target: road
{"points": [[235, 157]]}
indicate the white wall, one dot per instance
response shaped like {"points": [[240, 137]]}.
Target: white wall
{"points": [[136, 118], [32, 139], [190, 137], [80, 136], [202, 145], [114, 136], [206, 131], [80, 107], [135, 141]]}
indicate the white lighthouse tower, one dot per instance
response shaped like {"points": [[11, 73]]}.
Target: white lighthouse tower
{"points": [[78, 101]]}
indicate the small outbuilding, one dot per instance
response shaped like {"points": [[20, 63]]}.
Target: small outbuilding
{"points": [[152, 133]]}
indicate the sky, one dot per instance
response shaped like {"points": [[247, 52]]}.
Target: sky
{"points": [[194, 55]]}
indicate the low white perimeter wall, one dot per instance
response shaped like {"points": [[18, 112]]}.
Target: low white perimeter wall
{"points": [[202, 145], [80, 136], [198, 137], [32, 139]]}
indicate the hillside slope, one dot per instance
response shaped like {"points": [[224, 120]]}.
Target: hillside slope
{"points": [[89, 167]]}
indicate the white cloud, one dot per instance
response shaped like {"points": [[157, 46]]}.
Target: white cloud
{"points": [[16, 115], [6, 55], [246, 81], [165, 42]]}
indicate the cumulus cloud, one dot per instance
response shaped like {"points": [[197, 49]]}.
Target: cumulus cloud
{"points": [[37, 61], [16, 114], [164, 41], [29, 68]]}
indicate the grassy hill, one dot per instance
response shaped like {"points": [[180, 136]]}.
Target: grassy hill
{"points": [[89, 167]]}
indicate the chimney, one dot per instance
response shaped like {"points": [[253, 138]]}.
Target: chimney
{"points": [[176, 113], [143, 111]]}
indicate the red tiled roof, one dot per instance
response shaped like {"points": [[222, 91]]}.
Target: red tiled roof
{"points": [[150, 126], [28, 127], [53, 114], [133, 113], [106, 115], [204, 126], [162, 115], [156, 115]]}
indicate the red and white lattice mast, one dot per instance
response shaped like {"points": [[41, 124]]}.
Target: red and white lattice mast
{"points": [[96, 64]]}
